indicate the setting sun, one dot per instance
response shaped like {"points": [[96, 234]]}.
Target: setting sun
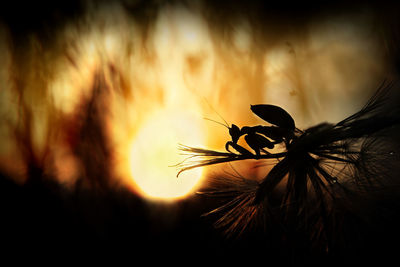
{"points": [[155, 150]]}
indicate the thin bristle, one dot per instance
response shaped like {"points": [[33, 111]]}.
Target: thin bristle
{"points": [[238, 213], [211, 157], [325, 171]]}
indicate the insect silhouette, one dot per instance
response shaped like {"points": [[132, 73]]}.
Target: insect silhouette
{"points": [[259, 138], [235, 132], [316, 170]]}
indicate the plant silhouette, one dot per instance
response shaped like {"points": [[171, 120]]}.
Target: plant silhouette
{"points": [[317, 174]]}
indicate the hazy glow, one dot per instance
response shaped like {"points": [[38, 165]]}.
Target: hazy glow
{"points": [[159, 78], [154, 150]]}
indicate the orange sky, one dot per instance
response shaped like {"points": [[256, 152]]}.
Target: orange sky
{"points": [[106, 71]]}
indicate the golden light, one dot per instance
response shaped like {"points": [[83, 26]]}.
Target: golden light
{"points": [[155, 150], [184, 60]]}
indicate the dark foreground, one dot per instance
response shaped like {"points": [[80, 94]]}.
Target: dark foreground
{"points": [[41, 219]]}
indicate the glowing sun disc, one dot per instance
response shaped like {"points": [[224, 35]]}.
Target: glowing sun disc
{"points": [[155, 150]]}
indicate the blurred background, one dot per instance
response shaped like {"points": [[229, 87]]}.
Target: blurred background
{"points": [[96, 96]]}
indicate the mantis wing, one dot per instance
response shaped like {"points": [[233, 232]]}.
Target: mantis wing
{"points": [[274, 115]]}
